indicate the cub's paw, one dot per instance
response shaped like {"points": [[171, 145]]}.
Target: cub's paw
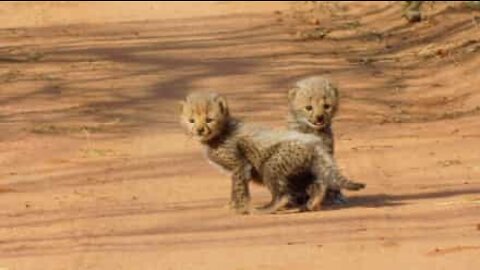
{"points": [[261, 211], [229, 206], [241, 210], [334, 198], [339, 200], [314, 204]]}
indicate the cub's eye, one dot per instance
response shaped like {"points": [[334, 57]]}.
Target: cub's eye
{"points": [[191, 120], [326, 106], [208, 120], [308, 108]]}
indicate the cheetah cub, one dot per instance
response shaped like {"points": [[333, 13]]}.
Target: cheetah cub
{"points": [[313, 103], [272, 158], [281, 163]]}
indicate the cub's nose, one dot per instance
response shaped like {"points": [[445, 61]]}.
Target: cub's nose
{"points": [[200, 130]]}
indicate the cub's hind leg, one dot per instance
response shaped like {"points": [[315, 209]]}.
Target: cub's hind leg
{"points": [[316, 192], [277, 184], [291, 159], [276, 204]]}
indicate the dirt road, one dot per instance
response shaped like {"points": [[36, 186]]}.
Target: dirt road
{"points": [[95, 172]]}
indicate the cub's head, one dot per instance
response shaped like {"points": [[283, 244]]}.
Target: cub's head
{"points": [[313, 102], [204, 115]]}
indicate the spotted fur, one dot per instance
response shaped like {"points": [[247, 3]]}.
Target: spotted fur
{"points": [[250, 152], [281, 164]]}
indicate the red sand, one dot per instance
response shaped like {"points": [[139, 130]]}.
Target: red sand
{"points": [[97, 174]]}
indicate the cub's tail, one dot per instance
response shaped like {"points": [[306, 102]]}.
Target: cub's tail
{"points": [[325, 167], [341, 182]]}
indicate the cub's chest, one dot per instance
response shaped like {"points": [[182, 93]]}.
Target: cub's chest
{"points": [[226, 156]]}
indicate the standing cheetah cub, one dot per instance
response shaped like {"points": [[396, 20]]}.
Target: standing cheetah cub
{"points": [[272, 158], [313, 103], [281, 162]]}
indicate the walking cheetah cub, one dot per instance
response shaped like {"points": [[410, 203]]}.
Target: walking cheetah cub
{"points": [[313, 103], [272, 158]]}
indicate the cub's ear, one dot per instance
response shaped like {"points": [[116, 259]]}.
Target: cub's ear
{"points": [[292, 93], [334, 90], [333, 93], [222, 103]]}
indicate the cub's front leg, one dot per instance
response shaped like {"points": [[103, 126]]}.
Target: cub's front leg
{"points": [[240, 197]]}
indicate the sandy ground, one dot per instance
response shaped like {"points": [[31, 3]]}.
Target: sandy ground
{"points": [[95, 172]]}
